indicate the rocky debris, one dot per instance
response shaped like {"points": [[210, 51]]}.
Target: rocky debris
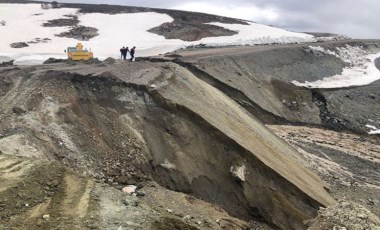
{"points": [[173, 55], [18, 110], [81, 33], [39, 40], [327, 117], [8, 63], [3, 23], [109, 60], [315, 52], [134, 202], [18, 45], [189, 31], [344, 215], [92, 61], [54, 60], [172, 224], [86, 62], [62, 22]]}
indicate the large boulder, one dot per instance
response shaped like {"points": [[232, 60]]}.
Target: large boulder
{"points": [[18, 45]]}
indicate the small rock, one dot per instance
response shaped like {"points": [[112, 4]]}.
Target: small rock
{"points": [[140, 193], [372, 96], [153, 86], [130, 189], [370, 202], [18, 45], [46, 217], [169, 210], [238, 172], [131, 182], [134, 203], [18, 110], [187, 217], [362, 216]]}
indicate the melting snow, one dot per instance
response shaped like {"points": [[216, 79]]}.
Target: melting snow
{"points": [[23, 23], [374, 130], [361, 71]]}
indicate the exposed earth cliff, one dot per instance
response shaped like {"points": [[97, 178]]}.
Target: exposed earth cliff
{"points": [[211, 138]]}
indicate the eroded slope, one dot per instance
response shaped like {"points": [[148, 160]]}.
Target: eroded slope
{"points": [[146, 121]]}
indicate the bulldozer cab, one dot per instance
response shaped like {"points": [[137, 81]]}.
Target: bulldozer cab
{"points": [[77, 53]]}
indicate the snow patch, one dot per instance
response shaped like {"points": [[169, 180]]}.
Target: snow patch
{"points": [[24, 24], [361, 69], [254, 34], [374, 130], [36, 59]]}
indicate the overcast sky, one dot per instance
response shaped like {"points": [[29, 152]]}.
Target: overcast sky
{"points": [[355, 18]]}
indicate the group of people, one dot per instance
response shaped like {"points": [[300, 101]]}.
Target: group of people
{"points": [[125, 50]]}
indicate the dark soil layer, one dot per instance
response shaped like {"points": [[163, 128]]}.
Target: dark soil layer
{"points": [[193, 32], [73, 21], [81, 33]]}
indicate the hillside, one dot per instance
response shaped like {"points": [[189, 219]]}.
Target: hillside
{"points": [[34, 34], [216, 136]]}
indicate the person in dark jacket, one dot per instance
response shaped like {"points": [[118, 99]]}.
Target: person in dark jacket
{"points": [[123, 52], [132, 53]]}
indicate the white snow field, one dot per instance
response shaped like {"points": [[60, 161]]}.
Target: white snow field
{"points": [[23, 23], [361, 71]]}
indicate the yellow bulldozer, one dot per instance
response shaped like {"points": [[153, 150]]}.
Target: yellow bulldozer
{"points": [[78, 53]]}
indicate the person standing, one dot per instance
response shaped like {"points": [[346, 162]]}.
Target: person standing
{"points": [[126, 52], [123, 53], [132, 53]]}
